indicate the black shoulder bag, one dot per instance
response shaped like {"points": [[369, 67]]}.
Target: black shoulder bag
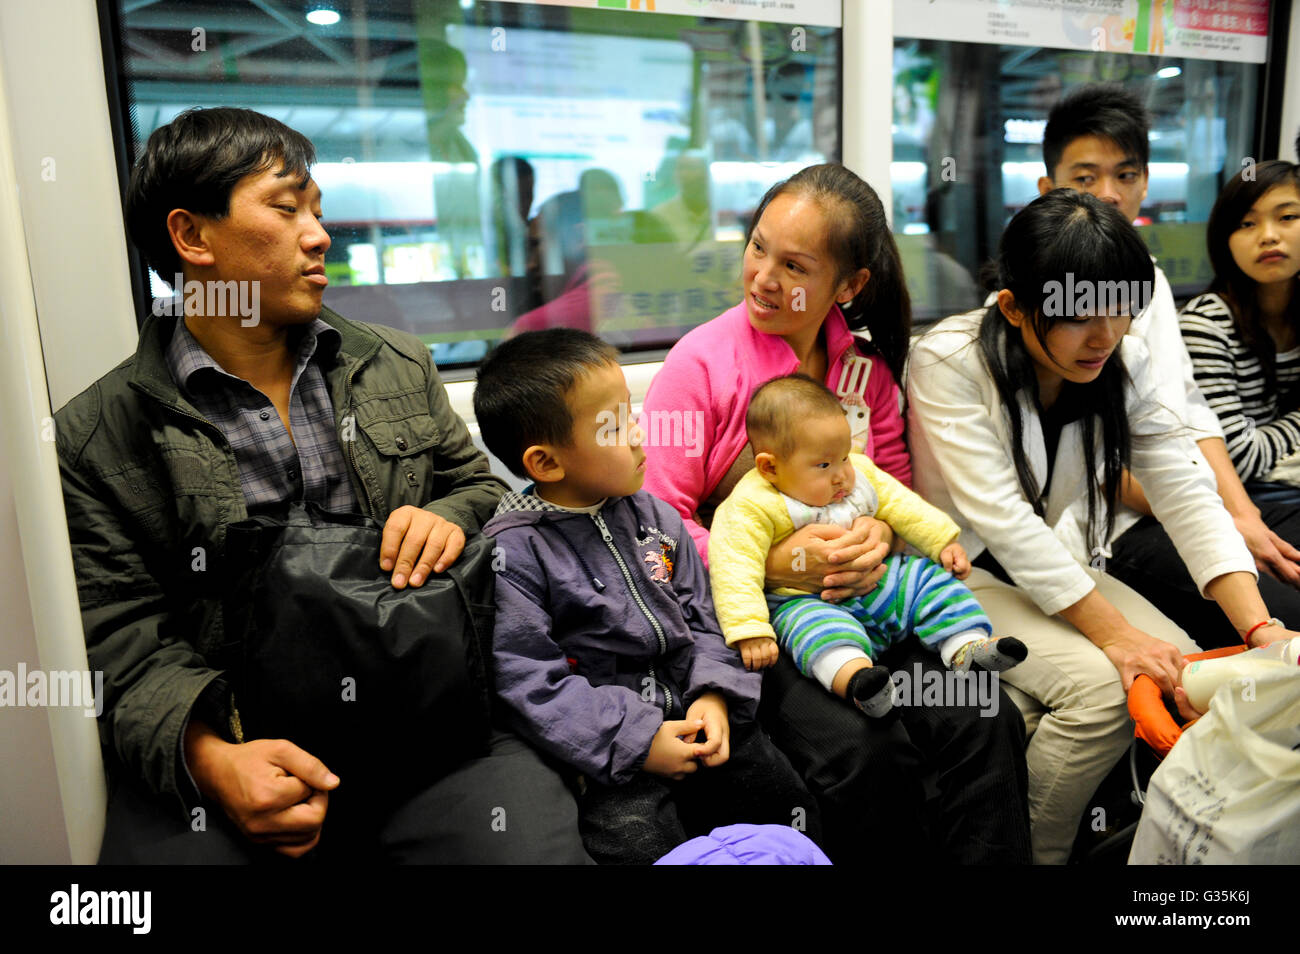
{"points": [[388, 688]]}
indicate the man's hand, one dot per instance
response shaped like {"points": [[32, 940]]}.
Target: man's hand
{"points": [[416, 542], [673, 750], [1272, 554], [954, 560], [711, 707], [758, 652], [274, 792]]}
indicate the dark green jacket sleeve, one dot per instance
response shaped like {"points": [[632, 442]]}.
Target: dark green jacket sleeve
{"points": [[467, 491], [152, 676]]}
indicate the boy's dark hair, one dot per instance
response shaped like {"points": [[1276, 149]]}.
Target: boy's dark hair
{"points": [[521, 394], [780, 406], [1107, 110], [194, 162]]}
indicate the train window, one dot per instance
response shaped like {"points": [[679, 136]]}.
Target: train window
{"points": [[969, 118], [497, 166]]}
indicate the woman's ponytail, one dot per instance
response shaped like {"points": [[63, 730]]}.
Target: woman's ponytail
{"points": [[884, 308]]}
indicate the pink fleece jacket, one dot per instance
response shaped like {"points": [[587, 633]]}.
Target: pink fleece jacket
{"points": [[709, 376]]}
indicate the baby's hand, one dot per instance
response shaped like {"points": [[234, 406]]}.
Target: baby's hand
{"points": [[954, 560], [758, 652]]}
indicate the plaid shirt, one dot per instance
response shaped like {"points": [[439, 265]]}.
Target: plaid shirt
{"points": [[272, 470]]}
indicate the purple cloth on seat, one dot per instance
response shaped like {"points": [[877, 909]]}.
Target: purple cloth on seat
{"points": [[747, 845]]}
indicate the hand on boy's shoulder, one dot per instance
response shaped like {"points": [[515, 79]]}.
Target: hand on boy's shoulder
{"points": [[416, 543]]}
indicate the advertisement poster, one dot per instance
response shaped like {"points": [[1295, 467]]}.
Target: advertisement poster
{"points": [[1231, 30], [807, 12]]}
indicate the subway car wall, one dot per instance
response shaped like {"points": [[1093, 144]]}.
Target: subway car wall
{"points": [[494, 167]]}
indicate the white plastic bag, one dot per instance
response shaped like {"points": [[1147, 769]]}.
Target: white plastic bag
{"points": [[1229, 791]]}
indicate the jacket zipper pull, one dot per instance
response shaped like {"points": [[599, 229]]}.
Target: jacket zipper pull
{"points": [[600, 587]]}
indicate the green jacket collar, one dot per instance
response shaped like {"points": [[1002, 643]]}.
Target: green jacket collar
{"points": [[150, 374]]}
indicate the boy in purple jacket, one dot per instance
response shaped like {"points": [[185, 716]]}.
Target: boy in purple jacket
{"points": [[606, 650]]}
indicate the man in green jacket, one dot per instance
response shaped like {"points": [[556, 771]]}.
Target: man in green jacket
{"points": [[253, 396]]}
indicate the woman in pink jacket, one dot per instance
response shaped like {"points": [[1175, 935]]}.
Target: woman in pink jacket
{"points": [[819, 262]]}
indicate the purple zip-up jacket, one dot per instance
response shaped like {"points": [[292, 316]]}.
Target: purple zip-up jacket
{"points": [[604, 630]]}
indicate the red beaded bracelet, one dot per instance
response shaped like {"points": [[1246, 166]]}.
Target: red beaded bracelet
{"points": [[1271, 621]]}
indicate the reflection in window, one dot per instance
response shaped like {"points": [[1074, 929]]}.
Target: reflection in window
{"points": [[968, 127], [494, 167]]}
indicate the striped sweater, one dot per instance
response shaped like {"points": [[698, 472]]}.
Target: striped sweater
{"points": [[1232, 381]]}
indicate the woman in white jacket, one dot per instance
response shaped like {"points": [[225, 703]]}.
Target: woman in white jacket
{"points": [[1023, 418]]}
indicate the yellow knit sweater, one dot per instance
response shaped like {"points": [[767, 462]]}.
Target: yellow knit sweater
{"points": [[754, 518]]}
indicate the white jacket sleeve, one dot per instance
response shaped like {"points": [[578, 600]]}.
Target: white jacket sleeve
{"points": [[1175, 383], [908, 514], [1178, 482], [962, 463]]}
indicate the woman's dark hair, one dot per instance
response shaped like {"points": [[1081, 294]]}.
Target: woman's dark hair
{"points": [[1071, 242], [195, 162], [1232, 284], [859, 237]]}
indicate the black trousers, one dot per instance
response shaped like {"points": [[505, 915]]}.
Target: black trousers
{"points": [[1144, 557], [868, 774], [647, 817], [509, 807]]}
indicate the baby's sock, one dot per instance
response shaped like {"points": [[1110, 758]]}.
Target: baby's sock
{"points": [[828, 663], [872, 691], [993, 655]]}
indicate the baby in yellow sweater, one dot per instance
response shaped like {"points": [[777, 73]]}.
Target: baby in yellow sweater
{"points": [[805, 473]]}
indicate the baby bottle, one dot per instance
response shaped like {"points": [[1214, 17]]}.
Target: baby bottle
{"points": [[1203, 677]]}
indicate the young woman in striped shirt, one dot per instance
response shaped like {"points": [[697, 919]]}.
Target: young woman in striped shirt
{"points": [[1242, 333], [1243, 336]]}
